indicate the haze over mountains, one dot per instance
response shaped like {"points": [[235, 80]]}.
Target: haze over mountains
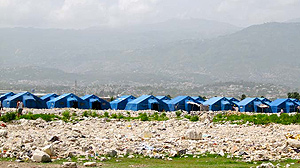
{"points": [[195, 51]]}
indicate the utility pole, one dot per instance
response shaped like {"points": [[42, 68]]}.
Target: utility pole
{"points": [[75, 87]]}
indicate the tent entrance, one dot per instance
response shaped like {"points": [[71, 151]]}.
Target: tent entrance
{"points": [[155, 107], [30, 103], [96, 105], [74, 104]]}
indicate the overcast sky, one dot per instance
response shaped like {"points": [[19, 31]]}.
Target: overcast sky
{"points": [[88, 13]]}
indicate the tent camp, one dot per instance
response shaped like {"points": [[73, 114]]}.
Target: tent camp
{"points": [[6, 95], [96, 103], [287, 105], [253, 105], [218, 104], [68, 100], [29, 100], [145, 102], [49, 97], [183, 103], [121, 102]]}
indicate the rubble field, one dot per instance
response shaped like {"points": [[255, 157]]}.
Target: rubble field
{"points": [[102, 138]]}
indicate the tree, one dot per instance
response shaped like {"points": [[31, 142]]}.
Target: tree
{"points": [[294, 95], [243, 97]]}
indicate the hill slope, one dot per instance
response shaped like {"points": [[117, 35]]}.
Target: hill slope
{"points": [[261, 53]]}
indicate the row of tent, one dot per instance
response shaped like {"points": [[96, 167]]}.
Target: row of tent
{"points": [[145, 102]]}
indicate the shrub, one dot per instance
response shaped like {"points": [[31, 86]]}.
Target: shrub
{"points": [[187, 116], [106, 114], [94, 114], [194, 118], [8, 117], [144, 117], [85, 114], [114, 115], [178, 113], [66, 114], [120, 116]]}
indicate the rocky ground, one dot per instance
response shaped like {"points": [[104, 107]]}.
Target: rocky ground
{"points": [[100, 138]]}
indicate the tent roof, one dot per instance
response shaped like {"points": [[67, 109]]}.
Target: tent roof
{"points": [[120, 99], [163, 97], [88, 96], [49, 95], [264, 99], [178, 99], [142, 98], [232, 99], [246, 101], [18, 95], [277, 102], [213, 100], [7, 94], [197, 98], [63, 96]]}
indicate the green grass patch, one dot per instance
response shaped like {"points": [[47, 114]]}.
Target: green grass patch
{"points": [[258, 119]]}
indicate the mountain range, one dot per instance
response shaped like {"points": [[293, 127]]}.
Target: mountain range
{"points": [[194, 51]]}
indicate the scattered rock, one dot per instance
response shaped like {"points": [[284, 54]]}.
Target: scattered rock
{"points": [[69, 165], [54, 138], [193, 135], [40, 156], [112, 153], [3, 133], [49, 150], [90, 164], [266, 165], [293, 143]]}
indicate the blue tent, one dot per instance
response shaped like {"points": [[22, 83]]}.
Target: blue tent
{"points": [[219, 104], [6, 95], [68, 100], [165, 100], [287, 105], [121, 102], [199, 100], [145, 102], [29, 100], [253, 105], [49, 97], [183, 103], [96, 103]]}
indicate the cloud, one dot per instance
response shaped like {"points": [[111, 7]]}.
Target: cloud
{"points": [[87, 13]]}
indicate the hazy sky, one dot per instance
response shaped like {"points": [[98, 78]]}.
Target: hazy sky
{"points": [[88, 13]]}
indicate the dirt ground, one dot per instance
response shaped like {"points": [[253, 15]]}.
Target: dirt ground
{"points": [[9, 164]]}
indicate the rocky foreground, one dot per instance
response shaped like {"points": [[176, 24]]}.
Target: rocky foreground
{"points": [[100, 138]]}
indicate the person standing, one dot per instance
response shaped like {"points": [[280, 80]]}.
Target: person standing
{"points": [[1, 108], [19, 108]]}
